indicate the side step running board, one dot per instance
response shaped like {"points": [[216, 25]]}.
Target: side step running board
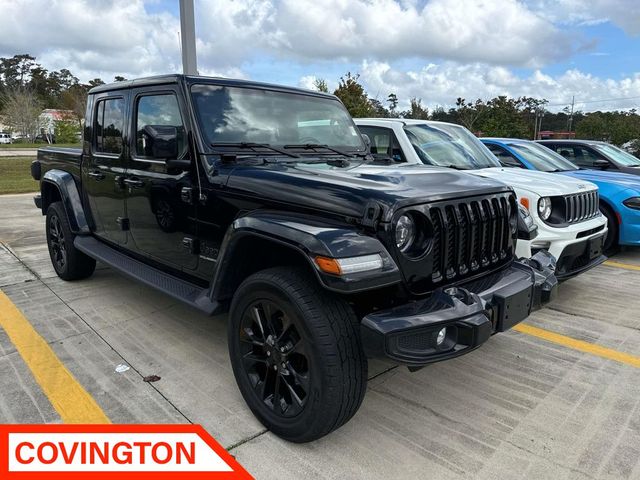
{"points": [[191, 294]]}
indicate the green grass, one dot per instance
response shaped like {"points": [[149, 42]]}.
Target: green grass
{"points": [[37, 145], [15, 175]]}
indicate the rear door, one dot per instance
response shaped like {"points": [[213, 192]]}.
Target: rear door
{"points": [[104, 166], [160, 207]]}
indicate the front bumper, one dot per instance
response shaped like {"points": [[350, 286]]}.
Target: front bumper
{"points": [[562, 242], [580, 257], [471, 313]]}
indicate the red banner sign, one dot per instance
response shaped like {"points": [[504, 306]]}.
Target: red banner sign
{"points": [[155, 452]]}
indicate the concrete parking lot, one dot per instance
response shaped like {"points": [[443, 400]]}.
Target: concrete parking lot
{"points": [[560, 400]]}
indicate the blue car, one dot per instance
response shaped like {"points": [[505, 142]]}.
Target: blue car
{"points": [[619, 192]]}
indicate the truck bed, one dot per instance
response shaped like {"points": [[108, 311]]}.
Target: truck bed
{"points": [[57, 154], [62, 158]]}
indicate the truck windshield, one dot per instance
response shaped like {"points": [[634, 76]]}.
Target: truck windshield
{"points": [[542, 158], [617, 155], [449, 146], [304, 124]]}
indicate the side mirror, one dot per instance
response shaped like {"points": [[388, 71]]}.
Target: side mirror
{"points": [[602, 164], [161, 141], [367, 141]]}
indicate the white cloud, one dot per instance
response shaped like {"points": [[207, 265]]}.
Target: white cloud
{"points": [[624, 13], [91, 37], [468, 47], [491, 31], [308, 82], [107, 37], [442, 84]]}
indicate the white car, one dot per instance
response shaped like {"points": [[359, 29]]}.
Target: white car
{"points": [[566, 211], [5, 138]]}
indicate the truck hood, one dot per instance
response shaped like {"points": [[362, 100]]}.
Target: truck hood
{"points": [[348, 191], [540, 183], [622, 180]]}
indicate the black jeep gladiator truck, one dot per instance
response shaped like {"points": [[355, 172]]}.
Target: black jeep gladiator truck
{"points": [[264, 201]]}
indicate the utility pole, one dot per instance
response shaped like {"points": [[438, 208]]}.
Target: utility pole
{"points": [[188, 36], [570, 121], [541, 117]]}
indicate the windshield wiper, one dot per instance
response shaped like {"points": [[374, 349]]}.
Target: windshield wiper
{"points": [[316, 146], [254, 146], [455, 167], [334, 162]]}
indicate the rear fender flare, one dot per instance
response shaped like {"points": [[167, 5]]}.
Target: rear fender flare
{"points": [[68, 190]]}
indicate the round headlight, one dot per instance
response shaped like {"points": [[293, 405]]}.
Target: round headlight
{"points": [[544, 208], [405, 232]]}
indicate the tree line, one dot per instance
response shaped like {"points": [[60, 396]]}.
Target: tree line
{"points": [[27, 88], [521, 117]]}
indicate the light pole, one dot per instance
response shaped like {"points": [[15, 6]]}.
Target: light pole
{"points": [[188, 38]]}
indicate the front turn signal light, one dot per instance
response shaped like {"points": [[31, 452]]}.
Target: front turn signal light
{"points": [[345, 266]]}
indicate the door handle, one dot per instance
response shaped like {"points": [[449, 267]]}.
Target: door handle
{"points": [[97, 175], [133, 182]]}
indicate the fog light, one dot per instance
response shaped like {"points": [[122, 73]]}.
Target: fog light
{"points": [[442, 334]]}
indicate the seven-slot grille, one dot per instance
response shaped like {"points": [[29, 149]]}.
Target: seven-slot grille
{"points": [[581, 206], [470, 236]]}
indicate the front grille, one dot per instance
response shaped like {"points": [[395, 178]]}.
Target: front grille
{"points": [[470, 236], [581, 207]]}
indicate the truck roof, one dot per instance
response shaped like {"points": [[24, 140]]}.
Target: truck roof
{"points": [[404, 121], [572, 140], [191, 79]]}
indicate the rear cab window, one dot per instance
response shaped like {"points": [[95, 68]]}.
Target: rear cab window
{"points": [[109, 125]]}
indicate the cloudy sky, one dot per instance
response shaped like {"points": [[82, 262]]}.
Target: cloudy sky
{"points": [[435, 50]]}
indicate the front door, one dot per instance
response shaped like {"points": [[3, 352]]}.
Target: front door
{"points": [[104, 167], [161, 215]]}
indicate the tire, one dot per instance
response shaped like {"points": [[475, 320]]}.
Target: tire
{"points": [[316, 364], [68, 262], [610, 244]]}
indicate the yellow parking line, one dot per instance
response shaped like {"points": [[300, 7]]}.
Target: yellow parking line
{"points": [[626, 266], [72, 402], [586, 347]]}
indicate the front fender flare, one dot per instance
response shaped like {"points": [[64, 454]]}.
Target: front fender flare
{"points": [[309, 237], [71, 200]]}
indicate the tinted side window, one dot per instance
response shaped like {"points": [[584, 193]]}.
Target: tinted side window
{"points": [[383, 142], [505, 158], [108, 124], [577, 155], [588, 156], [158, 111], [568, 152]]}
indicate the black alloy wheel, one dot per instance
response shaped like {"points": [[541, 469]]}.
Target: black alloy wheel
{"points": [[274, 357], [296, 353], [68, 262], [57, 243]]}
